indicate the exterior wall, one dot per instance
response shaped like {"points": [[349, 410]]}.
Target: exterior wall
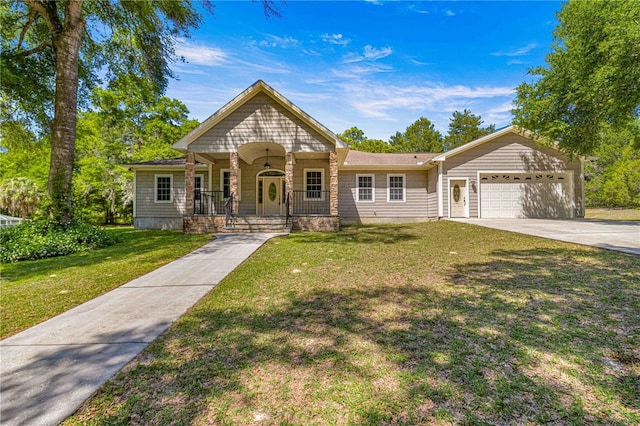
{"points": [[432, 192], [261, 119], [145, 204], [415, 206], [163, 223], [316, 223], [152, 215], [202, 224], [512, 153]]}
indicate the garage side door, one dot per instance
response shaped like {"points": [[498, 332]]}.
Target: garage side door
{"points": [[525, 195]]}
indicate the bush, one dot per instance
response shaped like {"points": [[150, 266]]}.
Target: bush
{"points": [[39, 239]]}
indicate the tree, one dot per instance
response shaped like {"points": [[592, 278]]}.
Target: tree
{"points": [[51, 49], [613, 176], [356, 140], [591, 80], [421, 136], [465, 127], [23, 154], [19, 197], [129, 123]]}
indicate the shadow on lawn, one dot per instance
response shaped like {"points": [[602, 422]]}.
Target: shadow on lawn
{"points": [[368, 234], [529, 336]]}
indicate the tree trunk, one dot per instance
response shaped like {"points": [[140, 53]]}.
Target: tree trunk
{"points": [[63, 132]]}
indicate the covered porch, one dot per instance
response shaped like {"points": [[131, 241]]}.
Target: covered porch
{"points": [[261, 187]]}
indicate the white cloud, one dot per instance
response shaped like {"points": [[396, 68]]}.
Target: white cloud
{"points": [[383, 101], [338, 39], [201, 54], [374, 54], [369, 53], [276, 41], [449, 12], [520, 51]]}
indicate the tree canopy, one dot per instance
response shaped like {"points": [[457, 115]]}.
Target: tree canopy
{"points": [[420, 136], [591, 80], [53, 52], [358, 141], [465, 127]]}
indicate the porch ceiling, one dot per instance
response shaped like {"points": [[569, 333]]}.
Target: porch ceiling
{"points": [[249, 152]]}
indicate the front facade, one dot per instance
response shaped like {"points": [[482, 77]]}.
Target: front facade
{"points": [[260, 162]]}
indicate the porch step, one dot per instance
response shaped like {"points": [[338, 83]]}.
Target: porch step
{"points": [[258, 224]]}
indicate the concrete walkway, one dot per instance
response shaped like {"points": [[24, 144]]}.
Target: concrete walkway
{"points": [[48, 371], [616, 235]]}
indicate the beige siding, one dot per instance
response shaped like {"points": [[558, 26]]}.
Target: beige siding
{"points": [[261, 119], [432, 192], [415, 205], [512, 153], [145, 204]]}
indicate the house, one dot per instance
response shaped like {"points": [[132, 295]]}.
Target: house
{"points": [[261, 162]]}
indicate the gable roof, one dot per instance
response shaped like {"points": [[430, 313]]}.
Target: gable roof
{"points": [[257, 87], [491, 136]]}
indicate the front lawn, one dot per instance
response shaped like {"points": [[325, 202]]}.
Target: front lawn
{"points": [[434, 323], [33, 291]]}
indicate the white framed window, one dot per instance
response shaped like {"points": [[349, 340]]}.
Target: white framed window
{"points": [[199, 182], [225, 183], [366, 188], [314, 184], [396, 190], [163, 188]]}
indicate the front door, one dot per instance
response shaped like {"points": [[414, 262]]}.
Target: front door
{"points": [[272, 196], [458, 197]]}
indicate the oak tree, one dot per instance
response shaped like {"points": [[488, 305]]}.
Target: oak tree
{"points": [[591, 80]]}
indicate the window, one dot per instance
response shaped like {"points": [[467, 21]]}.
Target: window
{"points": [[162, 190], [365, 190], [225, 183], [395, 188], [199, 183], [313, 184]]}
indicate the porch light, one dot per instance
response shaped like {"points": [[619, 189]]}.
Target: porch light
{"points": [[266, 164]]}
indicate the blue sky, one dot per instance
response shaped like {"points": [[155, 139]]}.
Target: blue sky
{"points": [[376, 65]]}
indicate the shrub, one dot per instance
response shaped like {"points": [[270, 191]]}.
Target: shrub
{"points": [[39, 239]]}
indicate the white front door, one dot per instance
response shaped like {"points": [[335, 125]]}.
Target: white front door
{"points": [[458, 198], [272, 196]]}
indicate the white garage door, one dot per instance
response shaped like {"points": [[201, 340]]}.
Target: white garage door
{"points": [[522, 195]]}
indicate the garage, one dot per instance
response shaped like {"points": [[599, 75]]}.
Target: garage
{"points": [[526, 195]]}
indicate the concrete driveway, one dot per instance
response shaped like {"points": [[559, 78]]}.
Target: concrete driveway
{"points": [[617, 235]]}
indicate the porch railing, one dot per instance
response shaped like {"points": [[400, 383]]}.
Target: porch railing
{"points": [[311, 202], [209, 203]]}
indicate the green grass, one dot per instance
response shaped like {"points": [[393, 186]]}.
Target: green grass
{"points": [[33, 291], [433, 323], [613, 214]]}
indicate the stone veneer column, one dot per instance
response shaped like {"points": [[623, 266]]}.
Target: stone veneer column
{"points": [[333, 183], [233, 180], [288, 179], [189, 182]]}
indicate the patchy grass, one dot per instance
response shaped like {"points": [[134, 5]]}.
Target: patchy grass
{"points": [[434, 323], [33, 291], [613, 214]]}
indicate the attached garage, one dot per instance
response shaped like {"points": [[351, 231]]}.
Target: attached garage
{"points": [[526, 195], [509, 174]]}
